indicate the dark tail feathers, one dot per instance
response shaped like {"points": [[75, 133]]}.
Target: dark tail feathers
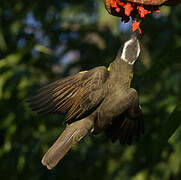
{"points": [[71, 135]]}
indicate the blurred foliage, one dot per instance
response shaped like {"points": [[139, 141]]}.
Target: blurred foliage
{"points": [[41, 41]]}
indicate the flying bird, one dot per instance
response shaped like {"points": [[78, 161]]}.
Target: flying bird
{"points": [[95, 101]]}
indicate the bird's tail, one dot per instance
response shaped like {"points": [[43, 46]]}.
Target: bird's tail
{"points": [[71, 135]]}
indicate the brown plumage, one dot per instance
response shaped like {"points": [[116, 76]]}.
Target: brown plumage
{"points": [[94, 101]]}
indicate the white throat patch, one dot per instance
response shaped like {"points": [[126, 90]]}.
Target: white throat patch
{"points": [[130, 51]]}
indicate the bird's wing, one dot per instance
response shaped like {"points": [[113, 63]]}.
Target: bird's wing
{"points": [[76, 95], [127, 123], [126, 129]]}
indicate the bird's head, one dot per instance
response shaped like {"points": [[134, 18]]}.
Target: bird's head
{"points": [[130, 50]]}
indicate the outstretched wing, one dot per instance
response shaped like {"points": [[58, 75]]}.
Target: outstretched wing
{"points": [[76, 95]]}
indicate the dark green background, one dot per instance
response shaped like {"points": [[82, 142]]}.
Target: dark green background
{"points": [[36, 41]]}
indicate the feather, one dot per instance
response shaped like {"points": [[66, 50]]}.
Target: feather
{"points": [[77, 95], [125, 129], [71, 135]]}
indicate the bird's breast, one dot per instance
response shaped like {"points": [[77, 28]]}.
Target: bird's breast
{"points": [[108, 109]]}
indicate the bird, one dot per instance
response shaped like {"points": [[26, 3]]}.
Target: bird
{"points": [[94, 101]]}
